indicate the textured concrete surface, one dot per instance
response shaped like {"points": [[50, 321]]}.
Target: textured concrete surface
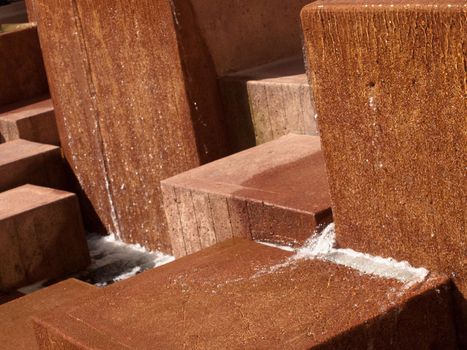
{"points": [[21, 66], [275, 192], [16, 328], [245, 34], [236, 295], [389, 89], [41, 236], [267, 102], [23, 162], [134, 103], [32, 120]]}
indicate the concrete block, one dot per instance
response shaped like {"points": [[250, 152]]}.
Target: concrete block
{"points": [[389, 89], [276, 192], [16, 327], [41, 235], [32, 121], [267, 102], [23, 162], [242, 295]]}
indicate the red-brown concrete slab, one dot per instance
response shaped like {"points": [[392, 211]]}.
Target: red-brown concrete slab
{"points": [[21, 66], [32, 120], [23, 162], [243, 295], [135, 103], [267, 102], [389, 88], [275, 192], [16, 329], [41, 236]]}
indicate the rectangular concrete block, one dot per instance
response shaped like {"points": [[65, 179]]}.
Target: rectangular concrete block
{"points": [[158, 114], [16, 327], [267, 102], [22, 63], [32, 120], [389, 89], [242, 295], [25, 162], [41, 236], [275, 192]]}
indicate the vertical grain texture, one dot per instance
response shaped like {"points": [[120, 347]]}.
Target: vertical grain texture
{"points": [[389, 88], [149, 99]]}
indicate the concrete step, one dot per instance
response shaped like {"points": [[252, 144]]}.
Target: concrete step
{"points": [[241, 294], [41, 236], [22, 63], [23, 162], [31, 120], [275, 192], [16, 328], [267, 102]]}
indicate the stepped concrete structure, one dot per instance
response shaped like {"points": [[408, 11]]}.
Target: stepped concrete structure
{"points": [[390, 99], [41, 236], [173, 93], [276, 192], [150, 98], [32, 120]]}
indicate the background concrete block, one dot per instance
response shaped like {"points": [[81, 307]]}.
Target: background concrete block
{"points": [[267, 102], [22, 66]]}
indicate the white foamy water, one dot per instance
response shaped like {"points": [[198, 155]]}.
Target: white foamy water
{"points": [[322, 246]]}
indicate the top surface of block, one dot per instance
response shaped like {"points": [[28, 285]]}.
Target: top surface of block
{"points": [[28, 197], [19, 111], [286, 71], [16, 150], [16, 331], [287, 172], [237, 294]]}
